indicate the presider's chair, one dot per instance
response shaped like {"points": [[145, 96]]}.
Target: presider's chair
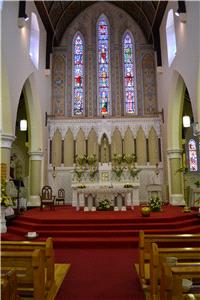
{"points": [[46, 197]]}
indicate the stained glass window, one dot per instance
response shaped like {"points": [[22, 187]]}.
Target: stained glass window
{"points": [[129, 74], [193, 166], [78, 75], [103, 66]]}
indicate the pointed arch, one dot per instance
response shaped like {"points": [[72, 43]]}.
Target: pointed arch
{"points": [[116, 142], [93, 143], [69, 149], [103, 66], [128, 142], [57, 149], [141, 149], [80, 143], [129, 73], [78, 74], [153, 147]]}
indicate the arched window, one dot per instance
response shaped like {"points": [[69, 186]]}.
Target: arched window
{"points": [[171, 37], [129, 73], [103, 67], [34, 40], [192, 155], [78, 74]]}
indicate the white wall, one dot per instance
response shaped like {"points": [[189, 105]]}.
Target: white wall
{"points": [[18, 69]]}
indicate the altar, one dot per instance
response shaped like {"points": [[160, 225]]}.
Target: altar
{"points": [[88, 197]]}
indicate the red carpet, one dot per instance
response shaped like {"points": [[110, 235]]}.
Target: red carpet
{"points": [[72, 228], [100, 274]]}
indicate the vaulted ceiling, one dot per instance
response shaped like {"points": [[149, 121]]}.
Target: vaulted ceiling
{"points": [[57, 15]]}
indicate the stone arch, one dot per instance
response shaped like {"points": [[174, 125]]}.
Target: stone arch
{"points": [[128, 142], [68, 149], [153, 147], [93, 143], [141, 149], [116, 145], [80, 143], [57, 149]]}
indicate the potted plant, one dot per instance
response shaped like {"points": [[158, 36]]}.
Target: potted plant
{"points": [[155, 203], [105, 205], [5, 202]]}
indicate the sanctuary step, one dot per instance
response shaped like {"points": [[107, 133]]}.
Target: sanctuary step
{"points": [[70, 228]]}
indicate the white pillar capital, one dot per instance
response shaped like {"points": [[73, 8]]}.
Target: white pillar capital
{"points": [[6, 140], [174, 153], [36, 155]]}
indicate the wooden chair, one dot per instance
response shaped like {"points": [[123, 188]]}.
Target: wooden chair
{"points": [[61, 196], [47, 198]]}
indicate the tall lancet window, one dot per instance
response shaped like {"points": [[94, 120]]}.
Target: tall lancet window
{"points": [[103, 67], [192, 153], [34, 40], [129, 73], [78, 75]]}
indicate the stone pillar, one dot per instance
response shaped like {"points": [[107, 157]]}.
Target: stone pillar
{"points": [[6, 145], [176, 187], [35, 183]]}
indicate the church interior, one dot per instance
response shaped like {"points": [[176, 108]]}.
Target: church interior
{"points": [[100, 150]]}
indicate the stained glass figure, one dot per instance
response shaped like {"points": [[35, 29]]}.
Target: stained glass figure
{"points": [[103, 66], [78, 75], [192, 155], [129, 74]]}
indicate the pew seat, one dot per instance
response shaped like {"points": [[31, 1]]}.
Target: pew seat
{"points": [[163, 240]]}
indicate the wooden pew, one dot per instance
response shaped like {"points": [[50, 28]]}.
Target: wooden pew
{"points": [[171, 281], [9, 286], [159, 255], [46, 246], [30, 271], [172, 240]]}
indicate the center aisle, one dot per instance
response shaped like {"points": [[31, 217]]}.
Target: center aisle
{"points": [[101, 274]]}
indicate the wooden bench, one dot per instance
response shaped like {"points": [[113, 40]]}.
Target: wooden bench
{"points": [[9, 286], [46, 246], [163, 240], [30, 271], [171, 281], [159, 255]]}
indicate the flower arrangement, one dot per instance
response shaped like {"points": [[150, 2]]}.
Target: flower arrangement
{"points": [[5, 200], [118, 170], [155, 203], [78, 172], [128, 185], [104, 204], [81, 186]]}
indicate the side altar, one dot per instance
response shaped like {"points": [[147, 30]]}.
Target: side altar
{"points": [[122, 193]]}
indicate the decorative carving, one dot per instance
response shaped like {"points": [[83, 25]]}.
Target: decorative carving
{"points": [[149, 84], [58, 85]]}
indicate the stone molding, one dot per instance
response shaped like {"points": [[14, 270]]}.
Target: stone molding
{"points": [[7, 140], [36, 155], [106, 126], [174, 153]]}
